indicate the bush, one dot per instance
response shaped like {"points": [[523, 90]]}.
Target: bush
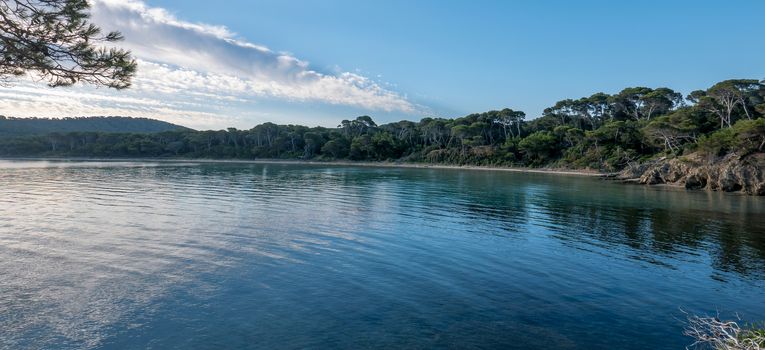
{"points": [[539, 147], [717, 143], [750, 135]]}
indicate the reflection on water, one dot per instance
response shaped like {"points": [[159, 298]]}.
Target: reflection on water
{"points": [[172, 255]]}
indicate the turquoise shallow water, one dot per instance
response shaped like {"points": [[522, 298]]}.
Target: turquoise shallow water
{"points": [[135, 255]]}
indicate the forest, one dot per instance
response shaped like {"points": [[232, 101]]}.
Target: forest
{"points": [[603, 131], [10, 126]]}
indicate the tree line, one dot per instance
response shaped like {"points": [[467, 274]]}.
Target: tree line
{"points": [[10, 126], [602, 131]]}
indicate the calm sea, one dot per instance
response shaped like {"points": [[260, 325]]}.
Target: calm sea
{"points": [[159, 255]]}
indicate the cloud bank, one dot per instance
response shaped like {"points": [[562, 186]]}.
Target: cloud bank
{"points": [[191, 69]]}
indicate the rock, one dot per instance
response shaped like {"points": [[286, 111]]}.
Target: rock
{"points": [[632, 171], [728, 181], [729, 185], [759, 190], [731, 173], [695, 182], [652, 177]]}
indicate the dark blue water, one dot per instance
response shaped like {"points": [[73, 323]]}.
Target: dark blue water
{"points": [[127, 255]]}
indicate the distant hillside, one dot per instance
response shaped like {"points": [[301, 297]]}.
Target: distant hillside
{"points": [[10, 126]]}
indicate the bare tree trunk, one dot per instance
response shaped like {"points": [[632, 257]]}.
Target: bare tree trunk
{"points": [[743, 104]]}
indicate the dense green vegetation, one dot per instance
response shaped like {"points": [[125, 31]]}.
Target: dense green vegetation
{"points": [[29, 126], [601, 131]]}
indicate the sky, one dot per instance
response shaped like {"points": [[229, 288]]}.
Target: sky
{"points": [[238, 63]]}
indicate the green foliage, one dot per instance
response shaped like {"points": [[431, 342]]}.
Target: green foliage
{"points": [[672, 131], [717, 143], [361, 147], [337, 149], [602, 131], [384, 146], [539, 147], [755, 333], [55, 40], [745, 136], [750, 135]]}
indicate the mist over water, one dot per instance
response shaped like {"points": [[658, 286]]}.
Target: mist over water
{"points": [[113, 255]]}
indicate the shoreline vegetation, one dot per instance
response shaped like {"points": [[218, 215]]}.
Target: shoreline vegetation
{"points": [[710, 139], [710, 332]]}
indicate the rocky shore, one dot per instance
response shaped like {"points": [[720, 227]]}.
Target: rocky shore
{"points": [[731, 173]]}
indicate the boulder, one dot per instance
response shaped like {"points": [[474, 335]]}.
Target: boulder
{"points": [[695, 182], [651, 177], [731, 173]]}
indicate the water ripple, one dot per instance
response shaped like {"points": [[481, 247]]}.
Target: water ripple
{"points": [[185, 255]]}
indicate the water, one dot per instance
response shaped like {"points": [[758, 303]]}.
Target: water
{"points": [[142, 255]]}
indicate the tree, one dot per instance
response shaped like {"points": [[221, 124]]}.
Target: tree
{"points": [[404, 130], [384, 145], [434, 131], [660, 101], [571, 136], [361, 147], [630, 101], [358, 126], [750, 134], [54, 39], [723, 97], [670, 131], [539, 146], [599, 107], [511, 122], [337, 148], [749, 90], [593, 132], [461, 132], [313, 143], [563, 110], [696, 96], [760, 100]]}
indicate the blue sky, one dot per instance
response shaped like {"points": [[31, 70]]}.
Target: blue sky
{"points": [[407, 59]]}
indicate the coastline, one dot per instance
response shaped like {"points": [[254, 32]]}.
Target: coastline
{"points": [[381, 164]]}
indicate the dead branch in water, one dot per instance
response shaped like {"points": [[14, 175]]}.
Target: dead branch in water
{"points": [[712, 333]]}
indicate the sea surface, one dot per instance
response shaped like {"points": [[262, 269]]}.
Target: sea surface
{"points": [[186, 255]]}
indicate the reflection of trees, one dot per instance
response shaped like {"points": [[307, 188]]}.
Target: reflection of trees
{"points": [[734, 243], [740, 247], [653, 226], [644, 225], [482, 200]]}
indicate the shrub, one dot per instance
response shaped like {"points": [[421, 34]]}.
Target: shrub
{"points": [[717, 143], [539, 146]]}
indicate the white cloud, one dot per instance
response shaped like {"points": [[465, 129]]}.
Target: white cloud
{"points": [[193, 73], [27, 100], [213, 54]]}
